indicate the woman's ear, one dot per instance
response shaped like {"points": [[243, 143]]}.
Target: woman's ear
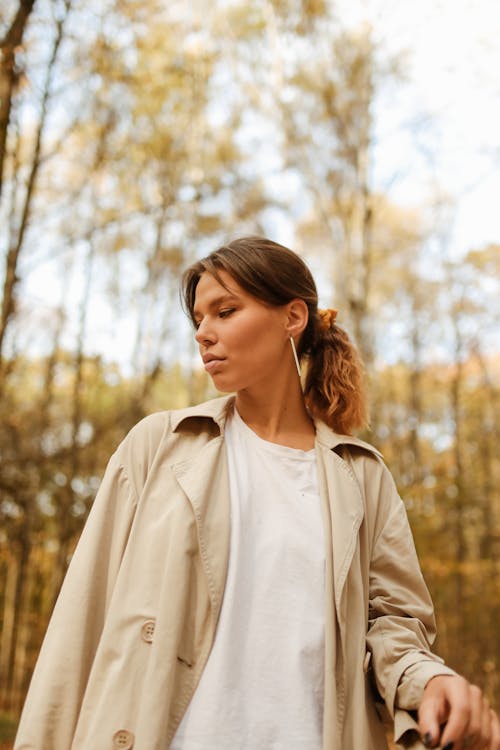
{"points": [[297, 317]]}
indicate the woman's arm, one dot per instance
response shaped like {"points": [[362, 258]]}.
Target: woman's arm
{"points": [[400, 635]]}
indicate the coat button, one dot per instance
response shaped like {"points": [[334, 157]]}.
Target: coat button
{"points": [[147, 631], [123, 740]]}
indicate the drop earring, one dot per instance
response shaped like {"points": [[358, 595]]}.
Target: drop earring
{"points": [[297, 363]]}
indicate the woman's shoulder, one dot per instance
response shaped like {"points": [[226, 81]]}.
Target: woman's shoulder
{"points": [[154, 428], [366, 464], [168, 436], [344, 444]]}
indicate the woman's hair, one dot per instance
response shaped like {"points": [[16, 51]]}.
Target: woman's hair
{"points": [[272, 273]]}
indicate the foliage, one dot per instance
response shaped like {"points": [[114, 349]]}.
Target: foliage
{"points": [[8, 727]]}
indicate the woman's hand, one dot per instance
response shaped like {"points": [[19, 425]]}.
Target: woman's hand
{"points": [[456, 715]]}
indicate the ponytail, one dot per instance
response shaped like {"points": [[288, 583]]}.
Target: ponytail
{"points": [[334, 388]]}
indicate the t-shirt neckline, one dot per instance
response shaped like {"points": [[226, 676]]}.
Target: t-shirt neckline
{"points": [[276, 448]]}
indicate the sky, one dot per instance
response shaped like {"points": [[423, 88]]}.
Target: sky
{"points": [[452, 99]]}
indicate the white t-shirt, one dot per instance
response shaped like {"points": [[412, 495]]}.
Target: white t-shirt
{"points": [[262, 687]]}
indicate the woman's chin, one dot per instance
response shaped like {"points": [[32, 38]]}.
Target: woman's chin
{"points": [[224, 385], [227, 385]]}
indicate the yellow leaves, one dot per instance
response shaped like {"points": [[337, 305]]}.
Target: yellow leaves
{"points": [[300, 15], [241, 20], [207, 224], [119, 241], [489, 666], [225, 150], [170, 257], [314, 8], [486, 259]]}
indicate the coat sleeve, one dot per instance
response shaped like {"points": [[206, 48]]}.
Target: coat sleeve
{"points": [[401, 626], [58, 684]]}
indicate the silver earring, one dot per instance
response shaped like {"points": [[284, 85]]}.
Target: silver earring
{"points": [[297, 363]]}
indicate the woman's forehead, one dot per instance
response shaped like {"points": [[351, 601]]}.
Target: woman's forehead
{"points": [[211, 290]]}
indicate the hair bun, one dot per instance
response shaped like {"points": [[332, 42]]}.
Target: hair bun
{"points": [[327, 318]]}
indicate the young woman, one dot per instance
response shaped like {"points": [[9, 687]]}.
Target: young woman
{"points": [[247, 578]]}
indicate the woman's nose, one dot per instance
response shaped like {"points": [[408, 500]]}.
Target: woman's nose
{"points": [[204, 333]]}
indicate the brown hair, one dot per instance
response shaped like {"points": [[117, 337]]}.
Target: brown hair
{"points": [[272, 273]]}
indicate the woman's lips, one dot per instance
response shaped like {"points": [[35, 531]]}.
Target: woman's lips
{"points": [[212, 364]]}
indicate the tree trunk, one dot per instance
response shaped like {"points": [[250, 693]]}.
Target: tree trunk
{"points": [[458, 472], [65, 527], [19, 598], [9, 76], [487, 437], [12, 259], [8, 623], [22, 640]]}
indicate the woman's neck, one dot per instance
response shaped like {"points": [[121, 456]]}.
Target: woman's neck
{"points": [[278, 415]]}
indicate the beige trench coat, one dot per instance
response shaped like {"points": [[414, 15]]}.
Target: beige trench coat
{"points": [[136, 617]]}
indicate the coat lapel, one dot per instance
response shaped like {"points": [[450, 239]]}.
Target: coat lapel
{"points": [[346, 513], [204, 479]]}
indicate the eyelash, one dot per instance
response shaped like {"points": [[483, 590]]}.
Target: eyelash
{"points": [[221, 314]]}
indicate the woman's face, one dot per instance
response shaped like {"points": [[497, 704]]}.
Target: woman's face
{"points": [[242, 340]]}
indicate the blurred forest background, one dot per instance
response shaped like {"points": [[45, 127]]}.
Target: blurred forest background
{"points": [[136, 135]]}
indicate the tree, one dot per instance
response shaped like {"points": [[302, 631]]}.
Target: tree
{"points": [[10, 72], [19, 224]]}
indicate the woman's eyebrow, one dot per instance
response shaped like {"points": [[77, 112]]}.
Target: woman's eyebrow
{"points": [[216, 302]]}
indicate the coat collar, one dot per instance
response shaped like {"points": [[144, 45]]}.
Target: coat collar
{"points": [[215, 410], [218, 409], [334, 440]]}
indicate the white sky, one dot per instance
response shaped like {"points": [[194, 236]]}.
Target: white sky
{"points": [[453, 61]]}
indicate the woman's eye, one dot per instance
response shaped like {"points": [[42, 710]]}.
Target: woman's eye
{"points": [[225, 313]]}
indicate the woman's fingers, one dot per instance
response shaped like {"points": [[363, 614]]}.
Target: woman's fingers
{"points": [[445, 700], [430, 722], [495, 731], [464, 725], [463, 713], [483, 739]]}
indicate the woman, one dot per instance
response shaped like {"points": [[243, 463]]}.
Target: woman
{"points": [[247, 578]]}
